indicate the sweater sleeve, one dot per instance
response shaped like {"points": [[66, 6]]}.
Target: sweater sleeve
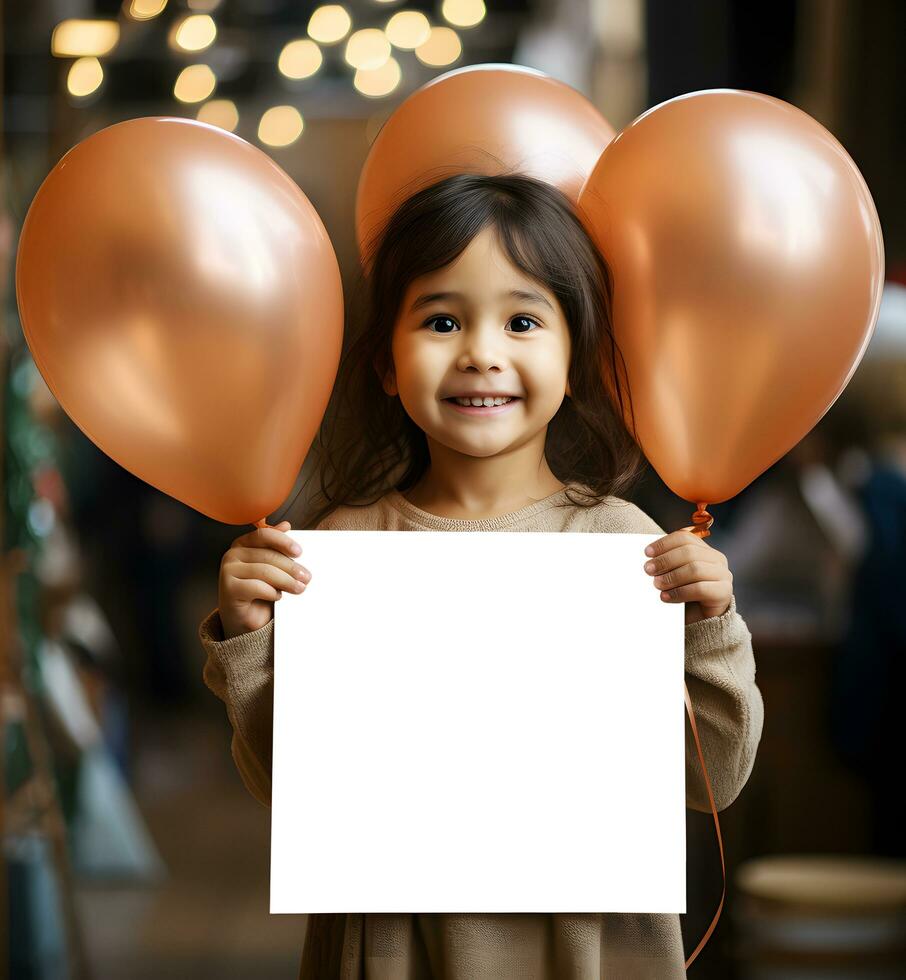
{"points": [[240, 671], [728, 708], [720, 678]]}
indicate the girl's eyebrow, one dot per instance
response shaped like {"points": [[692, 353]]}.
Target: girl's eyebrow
{"points": [[524, 294]]}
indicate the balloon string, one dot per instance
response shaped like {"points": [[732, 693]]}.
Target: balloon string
{"points": [[700, 526], [701, 522], [720, 843]]}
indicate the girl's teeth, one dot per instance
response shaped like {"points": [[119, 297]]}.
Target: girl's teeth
{"points": [[486, 402]]}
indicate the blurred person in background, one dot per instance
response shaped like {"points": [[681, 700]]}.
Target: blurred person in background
{"points": [[869, 672]]}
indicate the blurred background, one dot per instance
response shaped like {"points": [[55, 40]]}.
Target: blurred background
{"points": [[130, 847]]}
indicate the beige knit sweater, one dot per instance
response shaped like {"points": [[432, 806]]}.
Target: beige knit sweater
{"points": [[720, 677]]}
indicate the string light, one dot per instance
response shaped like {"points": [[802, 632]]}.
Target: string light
{"points": [[408, 29], [220, 112], [367, 49], [464, 13], [443, 47], [280, 126], [84, 38], [146, 9], [84, 77], [377, 82], [300, 59], [329, 24], [194, 33], [195, 83]]}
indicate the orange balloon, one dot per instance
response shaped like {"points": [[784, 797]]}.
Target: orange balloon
{"points": [[183, 302], [484, 119], [748, 266]]}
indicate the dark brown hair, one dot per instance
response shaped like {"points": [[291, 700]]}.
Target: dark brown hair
{"points": [[368, 445]]}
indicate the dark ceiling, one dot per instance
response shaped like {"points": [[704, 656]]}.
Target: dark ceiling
{"points": [[140, 72]]}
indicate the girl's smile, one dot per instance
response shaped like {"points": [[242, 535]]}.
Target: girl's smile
{"points": [[490, 406]]}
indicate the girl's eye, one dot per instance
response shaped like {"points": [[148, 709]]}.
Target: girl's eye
{"points": [[444, 320], [446, 325], [523, 320]]}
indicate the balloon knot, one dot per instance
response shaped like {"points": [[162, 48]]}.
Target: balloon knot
{"points": [[702, 521]]}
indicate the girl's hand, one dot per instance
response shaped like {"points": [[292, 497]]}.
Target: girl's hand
{"points": [[686, 569], [254, 570]]}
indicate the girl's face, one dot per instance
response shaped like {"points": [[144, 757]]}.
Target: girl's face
{"points": [[480, 327]]}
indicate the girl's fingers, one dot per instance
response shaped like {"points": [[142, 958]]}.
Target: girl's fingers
{"points": [[674, 558], [253, 588], [269, 537], [693, 571], [266, 573], [707, 592], [674, 540], [259, 555]]}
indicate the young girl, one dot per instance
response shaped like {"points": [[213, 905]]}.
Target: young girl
{"points": [[474, 401]]}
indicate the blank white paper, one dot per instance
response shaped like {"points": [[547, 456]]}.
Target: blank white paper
{"points": [[477, 722]]}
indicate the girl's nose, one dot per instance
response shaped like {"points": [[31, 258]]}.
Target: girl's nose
{"points": [[481, 349], [483, 361]]}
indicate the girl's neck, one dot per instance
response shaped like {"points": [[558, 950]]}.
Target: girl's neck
{"points": [[461, 498]]}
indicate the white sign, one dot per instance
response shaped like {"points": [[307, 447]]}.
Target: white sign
{"points": [[478, 722]]}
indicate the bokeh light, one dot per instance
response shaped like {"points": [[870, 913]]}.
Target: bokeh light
{"points": [[377, 82], [329, 24], [195, 83], [280, 126], [220, 112]]}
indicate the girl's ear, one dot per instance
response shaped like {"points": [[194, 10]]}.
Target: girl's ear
{"points": [[387, 377], [569, 390]]}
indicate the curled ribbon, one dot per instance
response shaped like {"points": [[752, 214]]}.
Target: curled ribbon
{"points": [[700, 527], [720, 842]]}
